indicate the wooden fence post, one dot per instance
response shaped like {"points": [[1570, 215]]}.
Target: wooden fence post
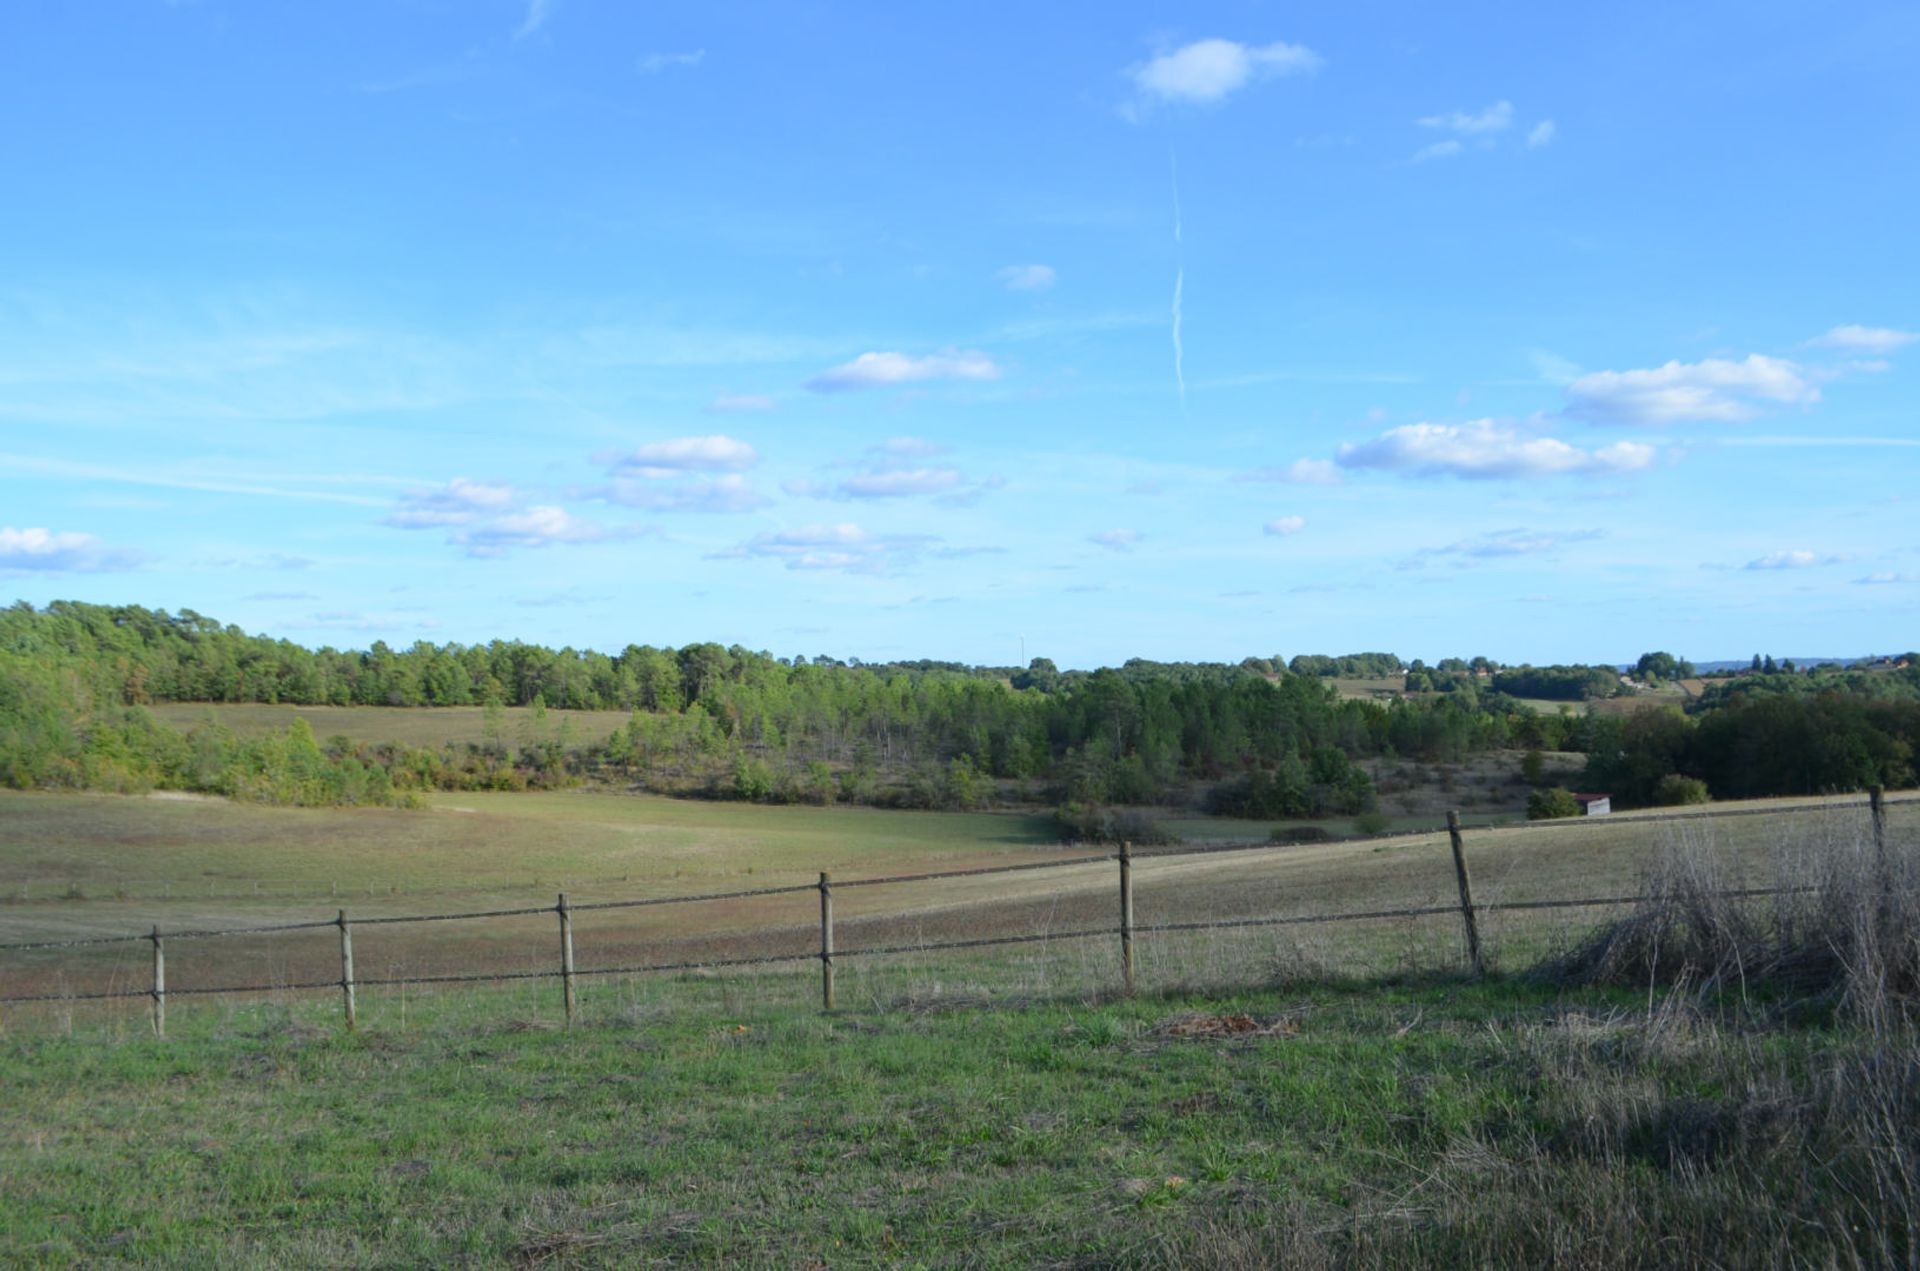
{"points": [[159, 984], [1466, 891], [826, 941], [1877, 810], [566, 958], [346, 970], [1126, 914]]}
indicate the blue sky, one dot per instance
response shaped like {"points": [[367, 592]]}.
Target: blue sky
{"points": [[1545, 332]]}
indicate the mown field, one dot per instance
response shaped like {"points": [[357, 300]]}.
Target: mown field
{"points": [[1294, 1096]]}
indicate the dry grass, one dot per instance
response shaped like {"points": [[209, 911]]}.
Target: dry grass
{"points": [[1846, 928]]}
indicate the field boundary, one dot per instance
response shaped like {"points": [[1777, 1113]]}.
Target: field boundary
{"points": [[1126, 929]]}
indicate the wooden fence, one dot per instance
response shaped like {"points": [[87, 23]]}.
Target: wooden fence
{"points": [[1126, 930]]}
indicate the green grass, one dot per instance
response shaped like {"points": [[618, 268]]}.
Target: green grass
{"points": [[724, 1120]]}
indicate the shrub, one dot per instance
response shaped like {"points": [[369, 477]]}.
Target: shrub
{"points": [[1674, 790], [1550, 805], [1092, 823], [1371, 823]]}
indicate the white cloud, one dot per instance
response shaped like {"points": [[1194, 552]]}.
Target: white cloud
{"points": [[733, 403], [653, 63], [660, 459], [1794, 559], [899, 482], [1438, 150], [458, 502], [1299, 472], [1859, 339], [912, 447], [728, 493], [1495, 118], [1117, 540], [1486, 449], [1541, 134], [1209, 70], [539, 526], [883, 370], [845, 547], [1027, 277], [538, 11], [1514, 542], [1713, 391], [48, 551], [1284, 526]]}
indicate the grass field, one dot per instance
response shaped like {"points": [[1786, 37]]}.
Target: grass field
{"points": [[1421, 1120], [81, 865], [1313, 1096]]}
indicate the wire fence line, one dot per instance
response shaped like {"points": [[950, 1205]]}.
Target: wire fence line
{"points": [[348, 982]]}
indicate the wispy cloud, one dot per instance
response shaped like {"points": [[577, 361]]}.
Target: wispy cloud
{"points": [[1117, 540], [654, 63], [1711, 391], [1867, 340], [1884, 579], [40, 550], [1027, 277], [1541, 134], [1299, 472], [728, 493], [896, 469], [1486, 449], [887, 370], [538, 11], [1284, 526], [1495, 118], [844, 547], [164, 480], [678, 455], [459, 502], [1438, 150], [740, 403], [1515, 542], [283, 561], [1795, 558], [1209, 71], [539, 526]]}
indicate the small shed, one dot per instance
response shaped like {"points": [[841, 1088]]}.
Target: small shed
{"points": [[1594, 804]]}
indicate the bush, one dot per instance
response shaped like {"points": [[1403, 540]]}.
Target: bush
{"points": [[1551, 805], [1092, 823], [1674, 790], [1371, 823]]}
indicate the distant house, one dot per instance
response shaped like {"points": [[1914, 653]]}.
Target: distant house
{"points": [[1594, 804]]}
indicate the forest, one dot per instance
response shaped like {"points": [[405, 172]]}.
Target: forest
{"points": [[1259, 738]]}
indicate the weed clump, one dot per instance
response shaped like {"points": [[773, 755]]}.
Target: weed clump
{"points": [[1840, 924]]}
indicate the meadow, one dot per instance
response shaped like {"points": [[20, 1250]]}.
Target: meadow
{"points": [[1312, 1096]]}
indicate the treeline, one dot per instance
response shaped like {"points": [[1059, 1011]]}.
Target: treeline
{"points": [[51, 737], [1259, 738], [729, 722], [1759, 744]]}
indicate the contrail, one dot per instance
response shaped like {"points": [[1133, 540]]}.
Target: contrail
{"points": [[1179, 283]]}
